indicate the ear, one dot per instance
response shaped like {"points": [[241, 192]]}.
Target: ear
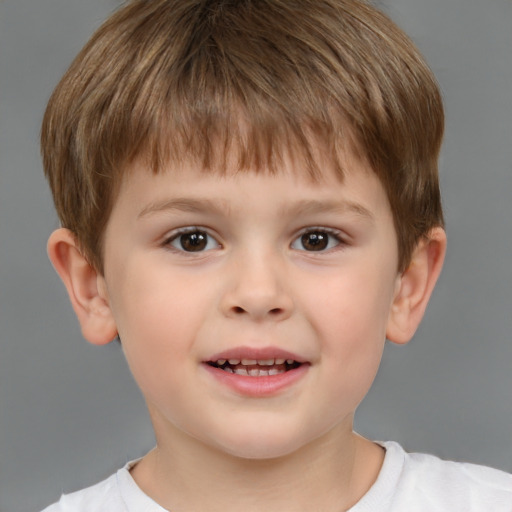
{"points": [[85, 285], [415, 285]]}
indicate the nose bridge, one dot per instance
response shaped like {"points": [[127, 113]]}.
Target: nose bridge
{"points": [[258, 285]]}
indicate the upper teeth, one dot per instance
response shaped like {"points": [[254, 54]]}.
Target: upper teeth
{"points": [[252, 362]]}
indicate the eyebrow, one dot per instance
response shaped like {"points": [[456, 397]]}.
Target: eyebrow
{"points": [[183, 204], [314, 206], [308, 206]]}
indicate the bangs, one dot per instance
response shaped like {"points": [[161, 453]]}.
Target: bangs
{"points": [[235, 140]]}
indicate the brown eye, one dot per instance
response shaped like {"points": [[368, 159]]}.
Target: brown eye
{"points": [[315, 241], [193, 241]]}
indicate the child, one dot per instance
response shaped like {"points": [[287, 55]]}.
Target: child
{"points": [[250, 203]]}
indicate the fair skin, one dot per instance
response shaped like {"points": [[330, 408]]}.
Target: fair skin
{"points": [[253, 310]]}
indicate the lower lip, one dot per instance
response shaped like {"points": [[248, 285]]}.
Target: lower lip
{"points": [[267, 385]]}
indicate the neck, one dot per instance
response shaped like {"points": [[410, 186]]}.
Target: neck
{"points": [[332, 473]]}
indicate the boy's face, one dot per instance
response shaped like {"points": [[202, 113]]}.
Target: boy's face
{"points": [[202, 271]]}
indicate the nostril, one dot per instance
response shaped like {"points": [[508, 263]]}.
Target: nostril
{"points": [[274, 311]]}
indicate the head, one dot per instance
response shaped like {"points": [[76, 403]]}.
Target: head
{"points": [[172, 81], [302, 138]]}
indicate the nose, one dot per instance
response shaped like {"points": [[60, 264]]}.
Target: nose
{"points": [[258, 289]]}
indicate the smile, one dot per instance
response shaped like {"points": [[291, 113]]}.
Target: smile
{"points": [[257, 372], [255, 367]]}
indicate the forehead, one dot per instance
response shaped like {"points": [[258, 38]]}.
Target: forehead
{"points": [[346, 181]]}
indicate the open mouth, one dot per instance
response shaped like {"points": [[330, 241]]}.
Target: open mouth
{"points": [[255, 367]]}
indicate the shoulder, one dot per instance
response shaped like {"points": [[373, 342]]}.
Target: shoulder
{"points": [[118, 493], [102, 496], [434, 484]]}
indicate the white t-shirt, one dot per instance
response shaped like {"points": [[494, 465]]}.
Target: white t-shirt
{"points": [[406, 483]]}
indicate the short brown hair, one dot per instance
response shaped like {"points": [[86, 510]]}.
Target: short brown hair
{"points": [[173, 79]]}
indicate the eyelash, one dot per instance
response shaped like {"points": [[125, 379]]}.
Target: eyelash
{"points": [[331, 235], [176, 236]]}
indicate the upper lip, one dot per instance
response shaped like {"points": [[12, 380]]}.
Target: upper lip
{"points": [[255, 354]]}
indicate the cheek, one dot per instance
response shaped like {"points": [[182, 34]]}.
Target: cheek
{"points": [[352, 307], [350, 320], [157, 316]]}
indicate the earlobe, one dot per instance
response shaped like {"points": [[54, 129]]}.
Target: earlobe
{"points": [[85, 286], [415, 285]]}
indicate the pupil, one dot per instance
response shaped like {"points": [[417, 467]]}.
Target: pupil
{"points": [[193, 241], [314, 241]]}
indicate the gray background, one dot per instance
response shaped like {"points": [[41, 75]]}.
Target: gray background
{"points": [[70, 412]]}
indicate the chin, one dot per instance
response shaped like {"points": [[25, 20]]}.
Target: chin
{"points": [[264, 445], [260, 452]]}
